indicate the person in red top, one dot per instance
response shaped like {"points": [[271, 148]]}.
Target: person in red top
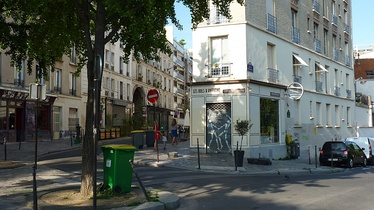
{"points": [[157, 134]]}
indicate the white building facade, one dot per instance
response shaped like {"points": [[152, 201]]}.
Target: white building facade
{"points": [[243, 66]]}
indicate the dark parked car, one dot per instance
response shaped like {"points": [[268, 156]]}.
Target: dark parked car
{"points": [[342, 153]]}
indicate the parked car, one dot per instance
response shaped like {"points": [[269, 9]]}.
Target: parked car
{"points": [[339, 153], [367, 143]]}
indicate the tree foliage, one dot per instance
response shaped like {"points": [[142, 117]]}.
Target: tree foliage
{"points": [[41, 31]]}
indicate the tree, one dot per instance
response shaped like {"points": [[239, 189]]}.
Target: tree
{"points": [[182, 42], [41, 31]]}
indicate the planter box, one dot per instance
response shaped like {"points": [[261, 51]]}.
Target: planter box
{"points": [[118, 132], [113, 133], [102, 134]]}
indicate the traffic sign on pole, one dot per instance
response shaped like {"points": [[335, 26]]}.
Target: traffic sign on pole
{"points": [[152, 96]]}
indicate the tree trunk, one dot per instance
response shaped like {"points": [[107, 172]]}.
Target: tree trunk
{"points": [[88, 156]]}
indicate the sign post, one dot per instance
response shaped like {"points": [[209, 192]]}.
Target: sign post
{"points": [[37, 93], [152, 98]]}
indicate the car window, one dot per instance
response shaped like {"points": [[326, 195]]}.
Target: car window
{"points": [[338, 146]]}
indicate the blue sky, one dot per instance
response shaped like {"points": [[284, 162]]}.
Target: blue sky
{"points": [[362, 25]]}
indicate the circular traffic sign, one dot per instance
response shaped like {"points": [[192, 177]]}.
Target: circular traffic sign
{"points": [[152, 96], [295, 90]]}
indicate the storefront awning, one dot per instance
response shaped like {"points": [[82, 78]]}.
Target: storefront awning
{"points": [[300, 60]]}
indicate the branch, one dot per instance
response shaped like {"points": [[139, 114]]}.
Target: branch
{"points": [[114, 30], [82, 11]]}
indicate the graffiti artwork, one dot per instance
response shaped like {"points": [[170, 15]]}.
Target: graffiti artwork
{"points": [[218, 127]]}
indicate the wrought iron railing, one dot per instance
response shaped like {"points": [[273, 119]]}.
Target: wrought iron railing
{"points": [[271, 23], [317, 45], [273, 75], [319, 86], [220, 70], [295, 35]]}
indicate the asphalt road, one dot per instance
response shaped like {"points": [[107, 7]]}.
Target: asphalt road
{"points": [[351, 189]]}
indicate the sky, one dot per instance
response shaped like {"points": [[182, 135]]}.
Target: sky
{"points": [[362, 23]]}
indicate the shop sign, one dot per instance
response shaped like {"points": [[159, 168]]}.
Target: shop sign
{"points": [[10, 94], [206, 90]]}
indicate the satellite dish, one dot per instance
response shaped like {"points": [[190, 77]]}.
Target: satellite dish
{"points": [[295, 90]]}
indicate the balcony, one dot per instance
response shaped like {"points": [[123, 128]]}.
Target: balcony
{"points": [[295, 35], [336, 90], [297, 78], [273, 75], [319, 86], [271, 23], [180, 76], [317, 45], [180, 91], [219, 70]]}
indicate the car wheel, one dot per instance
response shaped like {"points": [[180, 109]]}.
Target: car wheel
{"points": [[364, 162], [350, 163]]}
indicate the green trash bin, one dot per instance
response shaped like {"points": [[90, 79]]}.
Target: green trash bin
{"points": [[137, 137], [117, 169]]}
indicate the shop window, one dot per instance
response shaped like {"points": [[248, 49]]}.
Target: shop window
{"points": [[269, 122]]}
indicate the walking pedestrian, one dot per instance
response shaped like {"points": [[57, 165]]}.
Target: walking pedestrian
{"points": [[174, 132], [157, 134]]}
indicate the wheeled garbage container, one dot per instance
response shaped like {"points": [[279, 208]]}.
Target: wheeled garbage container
{"points": [[150, 138], [137, 137], [117, 168]]}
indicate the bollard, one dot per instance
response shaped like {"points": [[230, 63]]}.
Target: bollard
{"points": [[236, 158], [309, 155], [198, 153], [315, 155]]}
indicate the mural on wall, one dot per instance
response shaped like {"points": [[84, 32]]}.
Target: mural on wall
{"points": [[218, 127]]}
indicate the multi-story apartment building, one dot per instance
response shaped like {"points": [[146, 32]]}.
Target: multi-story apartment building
{"points": [[286, 66]]}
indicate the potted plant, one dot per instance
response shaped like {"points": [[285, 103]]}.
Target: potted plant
{"points": [[241, 127]]}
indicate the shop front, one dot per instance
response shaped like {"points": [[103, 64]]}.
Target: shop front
{"points": [[17, 115]]}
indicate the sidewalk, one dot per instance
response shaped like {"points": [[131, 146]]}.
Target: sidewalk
{"points": [[16, 172]]}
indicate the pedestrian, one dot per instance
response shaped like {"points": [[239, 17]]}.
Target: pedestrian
{"points": [[157, 134], [164, 139], [174, 132]]}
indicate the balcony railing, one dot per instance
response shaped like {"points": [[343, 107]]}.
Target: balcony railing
{"points": [[73, 92], [346, 28], [180, 76], [273, 75], [57, 89], [336, 90], [349, 93], [19, 82], [319, 86], [217, 19], [220, 70], [316, 6], [317, 45], [334, 19], [347, 60], [336, 54], [271, 23], [297, 78], [295, 35]]}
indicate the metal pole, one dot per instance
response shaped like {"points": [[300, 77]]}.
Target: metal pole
{"points": [[309, 155], [5, 148], [315, 155], [236, 156], [198, 153], [96, 93], [35, 197]]}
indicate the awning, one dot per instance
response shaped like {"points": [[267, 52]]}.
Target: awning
{"points": [[301, 61], [322, 69]]}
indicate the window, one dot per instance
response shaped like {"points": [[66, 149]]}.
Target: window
{"points": [[269, 122], [348, 116], [311, 115], [318, 113], [271, 19], [121, 65], [298, 62], [72, 84], [73, 55], [317, 42], [295, 29], [58, 81], [337, 116], [272, 71], [219, 57], [128, 92], [215, 16], [325, 43], [19, 74], [328, 115], [121, 90], [57, 119]]}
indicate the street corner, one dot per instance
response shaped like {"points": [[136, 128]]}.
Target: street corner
{"points": [[10, 164]]}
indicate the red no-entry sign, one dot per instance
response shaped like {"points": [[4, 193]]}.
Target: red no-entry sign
{"points": [[152, 96]]}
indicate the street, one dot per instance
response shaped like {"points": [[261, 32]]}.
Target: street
{"points": [[201, 190]]}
